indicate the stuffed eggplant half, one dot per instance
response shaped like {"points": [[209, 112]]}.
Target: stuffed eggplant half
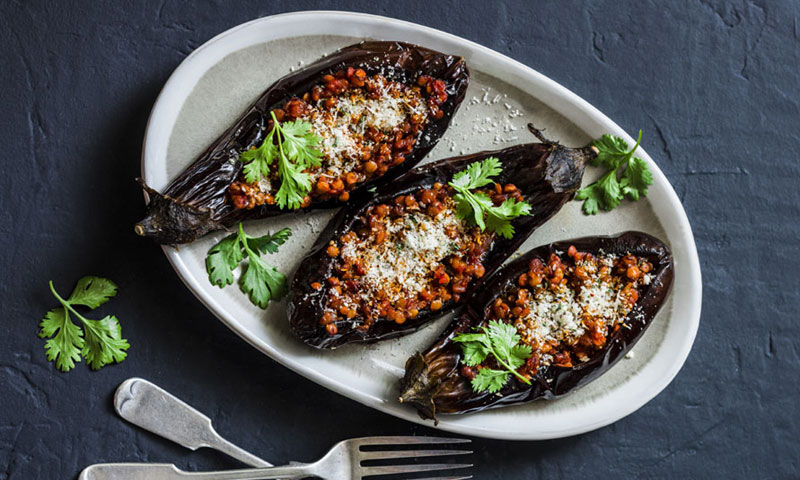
{"points": [[385, 266], [547, 323], [317, 137]]}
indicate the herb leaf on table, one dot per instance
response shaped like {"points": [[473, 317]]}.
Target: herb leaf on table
{"points": [[100, 342]]}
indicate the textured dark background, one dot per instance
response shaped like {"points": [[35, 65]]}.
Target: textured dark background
{"points": [[714, 85]]}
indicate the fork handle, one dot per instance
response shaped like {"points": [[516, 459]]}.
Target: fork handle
{"points": [[166, 471]]}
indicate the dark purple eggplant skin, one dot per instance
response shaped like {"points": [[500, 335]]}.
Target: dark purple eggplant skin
{"points": [[547, 174], [433, 384], [196, 202]]}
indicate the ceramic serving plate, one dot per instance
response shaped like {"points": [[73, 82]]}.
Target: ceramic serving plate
{"points": [[213, 85]]}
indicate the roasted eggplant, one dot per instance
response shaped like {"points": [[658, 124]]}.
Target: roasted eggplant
{"points": [[354, 287], [378, 108], [580, 305]]}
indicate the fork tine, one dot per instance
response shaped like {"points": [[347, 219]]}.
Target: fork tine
{"points": [[409, 454], [422, 467], [407, 440]]}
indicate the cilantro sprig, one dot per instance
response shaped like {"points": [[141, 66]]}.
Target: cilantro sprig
{"points": [[100, 342], [293, 145], [627, 175], [501, 341], [477, 207], [261, 282]]}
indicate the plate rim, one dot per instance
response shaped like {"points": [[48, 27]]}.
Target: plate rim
{"points": [[563, 99]]}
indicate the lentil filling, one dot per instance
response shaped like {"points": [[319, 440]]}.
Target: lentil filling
{"points": [[367, 125], [566, 309], [405, 256]]}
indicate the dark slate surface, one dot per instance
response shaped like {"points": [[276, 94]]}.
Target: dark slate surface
{"points": [[714, 85]]}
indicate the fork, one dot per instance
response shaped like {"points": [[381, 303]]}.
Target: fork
{"points": [[343, 461]]}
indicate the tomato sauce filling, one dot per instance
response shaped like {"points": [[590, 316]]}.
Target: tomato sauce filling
{"points": [[405, 256], [367, 124], [566, 309]]}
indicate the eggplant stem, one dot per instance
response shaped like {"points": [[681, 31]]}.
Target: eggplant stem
{"points": [[538, 134]]}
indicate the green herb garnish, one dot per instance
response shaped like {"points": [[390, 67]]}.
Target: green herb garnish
{"points": [[610, 189], [502, 342], [477, 207], [295, 151], [100, 342], [261, 282]]}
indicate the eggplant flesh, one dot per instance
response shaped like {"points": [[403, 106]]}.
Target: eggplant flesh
{"points": [[433, 383], [196, 202], [547, 174]]}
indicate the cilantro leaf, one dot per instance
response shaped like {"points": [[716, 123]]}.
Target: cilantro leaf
{"points": [[295, 184], [627, 175], [477, 207], [474, 348], [501, 341], [519, 354], [222, 259], [269, 243], [299, 141], [100, 342], [293, 145], [65, 347], [489, 380], [258, 160], [92, 292], [261, 282], [498, 218], [104, 343], [637, 178], [611, 151]]}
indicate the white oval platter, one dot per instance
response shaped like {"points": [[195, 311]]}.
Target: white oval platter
{"points": [[214, 84]]}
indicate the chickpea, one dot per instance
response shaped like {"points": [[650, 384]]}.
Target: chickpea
{"points": [[436, 305], [332, 251]]}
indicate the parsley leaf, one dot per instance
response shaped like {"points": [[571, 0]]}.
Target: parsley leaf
{"points": [[627, 175], [500, 340], [100, 342], [477, 207], [262, 283], [295, 152]]}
